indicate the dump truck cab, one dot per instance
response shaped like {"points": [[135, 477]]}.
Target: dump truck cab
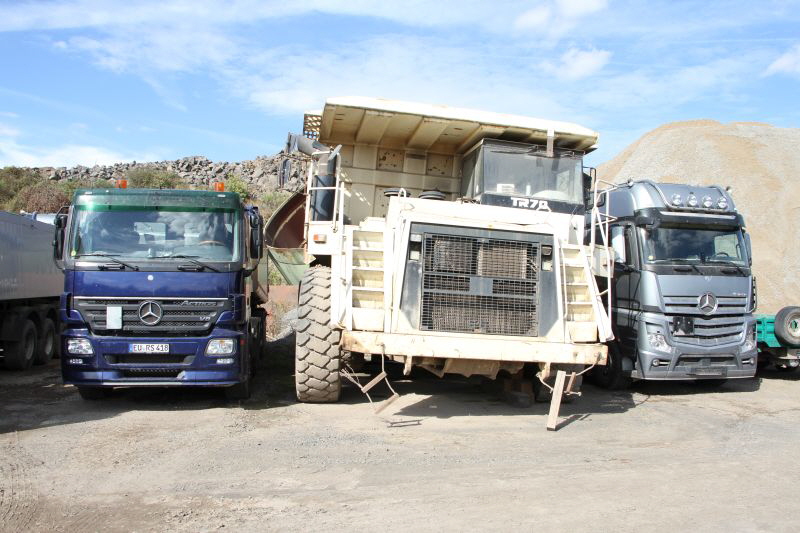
{"points": [[160, 289], [683, 291], [448, 239]]}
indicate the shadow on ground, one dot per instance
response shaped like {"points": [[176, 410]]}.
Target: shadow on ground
{"points": [[37, 398]]}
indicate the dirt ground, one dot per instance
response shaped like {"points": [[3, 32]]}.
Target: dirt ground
{"points": [[452, 456]]}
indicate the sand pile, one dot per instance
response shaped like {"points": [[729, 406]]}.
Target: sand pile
{"points": [[762, 165]]}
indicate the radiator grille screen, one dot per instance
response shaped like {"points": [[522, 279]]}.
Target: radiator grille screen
{"points": [[479, 285]]}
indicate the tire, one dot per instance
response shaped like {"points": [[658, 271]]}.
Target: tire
{"points": [[19, 355], [46, 347], [611, 376], [92, 394], [260, 340], [787, 326], [240, 391], [317, 353]]}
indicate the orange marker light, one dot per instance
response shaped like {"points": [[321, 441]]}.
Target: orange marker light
{"points": [[122, 184], [219, 186]]}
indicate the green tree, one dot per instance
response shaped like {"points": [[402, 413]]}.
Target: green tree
{"points": [[238, 185], [12, 181], [149, 178], [43, 197]]}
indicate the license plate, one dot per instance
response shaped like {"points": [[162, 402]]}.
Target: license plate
{"points": [[148, 348]]}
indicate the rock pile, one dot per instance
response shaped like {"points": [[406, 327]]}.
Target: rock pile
{"points": [[759, 162], [261, 173]]}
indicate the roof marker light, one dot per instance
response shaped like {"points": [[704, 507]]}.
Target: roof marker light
{"points": [[707, 203], [219, 186], [677, 200], [122, 184], [722, 203], [691, 201]]}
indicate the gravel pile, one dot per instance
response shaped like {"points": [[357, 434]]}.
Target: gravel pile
{"points": [[759, 161]]}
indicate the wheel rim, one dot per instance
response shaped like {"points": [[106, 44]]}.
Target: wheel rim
{"points": [[794, 327], [30, 344], [48, 343]]}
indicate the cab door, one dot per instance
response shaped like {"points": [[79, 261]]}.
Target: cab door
{"points": [[626, 282]]}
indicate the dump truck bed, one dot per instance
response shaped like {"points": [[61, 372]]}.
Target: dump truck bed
{"points": [[433, 128], [26, 267]]}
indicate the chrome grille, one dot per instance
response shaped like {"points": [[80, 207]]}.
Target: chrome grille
{"points": [[479, 284], [687, 305], [715, 331], [181, 317]]}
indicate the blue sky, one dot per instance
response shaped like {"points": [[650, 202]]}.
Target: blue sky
{"points": [[100, 81]]}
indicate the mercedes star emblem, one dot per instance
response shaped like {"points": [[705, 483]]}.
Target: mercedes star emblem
{"points": [[707, 303], [150, 313]]}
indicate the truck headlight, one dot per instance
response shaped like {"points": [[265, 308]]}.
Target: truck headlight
{"points": [[658, 341], [220, 347], [79, 347], [750, 339]]}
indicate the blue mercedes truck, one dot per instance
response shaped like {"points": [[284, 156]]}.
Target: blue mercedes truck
{"points": [[160, 289]]}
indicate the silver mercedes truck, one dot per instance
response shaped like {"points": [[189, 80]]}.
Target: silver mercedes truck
{"points": [[683, 292]]}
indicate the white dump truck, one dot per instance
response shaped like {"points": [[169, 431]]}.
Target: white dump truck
{"points": [[448, 239]]}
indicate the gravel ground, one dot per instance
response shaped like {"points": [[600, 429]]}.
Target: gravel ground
{"points": [[452, 456]]}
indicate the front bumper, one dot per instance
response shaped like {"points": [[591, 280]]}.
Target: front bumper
{"points": [[186, 364], [685, 361], [441, 345]]}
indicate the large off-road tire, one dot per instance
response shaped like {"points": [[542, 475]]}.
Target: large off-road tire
{"points": [[787, 326], [611, 376], [19, 355], [46, 347], [318, 356]]}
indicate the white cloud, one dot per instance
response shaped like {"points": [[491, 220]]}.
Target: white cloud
{"points": [[788, 63], [9, 114], [8, 131], [400, 67], [14, 153], [117, 13], [653, 90], [576, 64], [534, 19], [580, 8]]}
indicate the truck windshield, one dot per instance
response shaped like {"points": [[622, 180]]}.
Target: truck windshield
{"points": [[148, 234], [666, 244], [521, 171]]}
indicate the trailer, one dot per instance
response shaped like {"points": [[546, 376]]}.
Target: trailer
{"points": [[778, 339], [447, 239], [30, 285]]}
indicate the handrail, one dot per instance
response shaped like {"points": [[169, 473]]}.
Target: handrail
{"points": [[600, 220]]}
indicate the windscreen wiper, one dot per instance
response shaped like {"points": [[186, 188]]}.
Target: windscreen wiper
{"points": [[191, 259], [725, 262], [109, 256], [690, 262]]}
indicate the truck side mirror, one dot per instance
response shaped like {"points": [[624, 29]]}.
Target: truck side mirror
{"points": [[256, 242], [58, 240], [618, 244]]}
